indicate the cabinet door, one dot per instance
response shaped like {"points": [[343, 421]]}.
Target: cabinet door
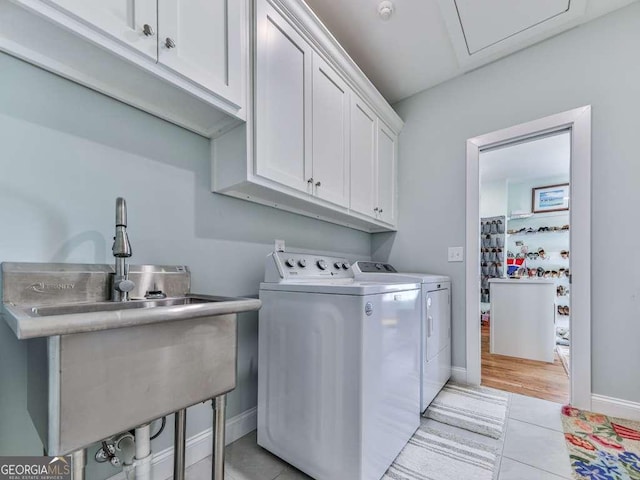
{"points": [[387, 153], [283, 101], [123, 20], [330, 134], [201, 40], [363, 158]]}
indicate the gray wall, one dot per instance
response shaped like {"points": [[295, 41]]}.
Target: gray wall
{"points": [[593, 64], [66, 153]]}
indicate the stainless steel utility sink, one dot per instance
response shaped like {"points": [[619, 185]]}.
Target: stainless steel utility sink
{"points": [[97, 368]]}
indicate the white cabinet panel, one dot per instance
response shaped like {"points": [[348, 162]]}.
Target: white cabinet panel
{"points": [[201, 40], [330, 134], [283, 101], [363, 158], [387, 151], [523, 318], [123, 20]]}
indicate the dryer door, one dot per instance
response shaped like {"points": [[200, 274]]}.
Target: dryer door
{"points": [[438, 322]]}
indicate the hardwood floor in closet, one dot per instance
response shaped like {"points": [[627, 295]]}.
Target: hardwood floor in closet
{"points": [[547, 381]]}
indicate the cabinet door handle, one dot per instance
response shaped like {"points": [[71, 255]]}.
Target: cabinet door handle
{"points": [[148, 30], [430, 327], [376, 209], [380, 210], [310, 180], [169, 43], [318, 184]]}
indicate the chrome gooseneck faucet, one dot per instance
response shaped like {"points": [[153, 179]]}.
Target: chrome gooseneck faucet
{"points": [[121, 251]]}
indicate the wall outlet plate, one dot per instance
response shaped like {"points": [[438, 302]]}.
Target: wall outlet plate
{"points": [[279, 246], [456, 254]]}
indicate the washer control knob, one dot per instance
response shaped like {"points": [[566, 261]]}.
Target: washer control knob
{"points": [[302, 263], [346, 265], [290, 263], [337, 265], [322, 265]]}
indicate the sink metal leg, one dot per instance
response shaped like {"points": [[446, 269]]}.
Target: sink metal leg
{"points": [[143, 452], [179, 444], [219, 405], [78, 462]]}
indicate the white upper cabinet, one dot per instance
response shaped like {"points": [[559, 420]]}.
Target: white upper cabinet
{"points": [[185, 61], [201, 40], [283, 101], [373, 165], [132, 22], [363, 158], [323, 140], [387, 181], [330, 134]]}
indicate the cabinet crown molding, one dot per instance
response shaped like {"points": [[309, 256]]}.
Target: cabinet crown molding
{"points": [[323, 41]]}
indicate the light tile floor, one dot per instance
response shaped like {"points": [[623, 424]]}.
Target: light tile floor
{"points": [[532, 448]]}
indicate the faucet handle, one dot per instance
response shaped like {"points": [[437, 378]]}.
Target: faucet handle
{"points": [[125, 285]]}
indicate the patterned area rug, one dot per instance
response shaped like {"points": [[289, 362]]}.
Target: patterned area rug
{"points": [[565, 357], [435, 455], [601, 447], [478, 409]]}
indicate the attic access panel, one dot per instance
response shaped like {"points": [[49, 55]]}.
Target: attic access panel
{"points": [[488, 22]]}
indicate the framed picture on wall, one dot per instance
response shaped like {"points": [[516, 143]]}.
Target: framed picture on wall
{"points": [[551, 198]]}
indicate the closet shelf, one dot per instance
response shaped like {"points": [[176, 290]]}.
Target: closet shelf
{"points": [[523, 234]]}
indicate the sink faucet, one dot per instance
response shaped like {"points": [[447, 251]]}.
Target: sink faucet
{"points": [[121, 251]]}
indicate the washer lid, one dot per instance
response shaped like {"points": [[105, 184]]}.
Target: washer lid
{"points": [[340, 287], [383, 272]]}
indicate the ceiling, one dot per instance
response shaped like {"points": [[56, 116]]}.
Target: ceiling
{"points": [[426, 42], [543, 157]]}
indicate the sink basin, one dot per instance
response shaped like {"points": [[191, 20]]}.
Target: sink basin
{"points": [[96, 368], [47, 320], [74, 308]]}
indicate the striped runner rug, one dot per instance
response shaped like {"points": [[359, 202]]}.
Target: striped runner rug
{"points": [[478, 409], [435, 455]]}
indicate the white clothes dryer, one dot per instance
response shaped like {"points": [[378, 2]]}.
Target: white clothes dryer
{"points": [[435, 306]]}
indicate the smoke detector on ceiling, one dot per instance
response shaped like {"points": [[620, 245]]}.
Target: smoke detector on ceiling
{"points": [[385, 9]]}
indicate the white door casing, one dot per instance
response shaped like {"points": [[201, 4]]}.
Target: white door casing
{"points": [[578, 122]]}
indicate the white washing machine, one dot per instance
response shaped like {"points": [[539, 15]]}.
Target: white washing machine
{"points": [[435, 326], [338, 368]]}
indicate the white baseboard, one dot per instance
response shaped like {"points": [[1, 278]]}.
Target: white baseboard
{"points": [[615, 407], [459, 374], [200, 445]]}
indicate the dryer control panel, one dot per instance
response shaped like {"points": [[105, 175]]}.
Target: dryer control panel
{"points": [[283, 266], [376, 267]]}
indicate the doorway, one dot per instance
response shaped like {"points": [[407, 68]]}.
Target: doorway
{"points": [[533, 292], [525, 266]]}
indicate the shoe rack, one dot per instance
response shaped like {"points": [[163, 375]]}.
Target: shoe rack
{"points": [[543, 240], [492, 252]]}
